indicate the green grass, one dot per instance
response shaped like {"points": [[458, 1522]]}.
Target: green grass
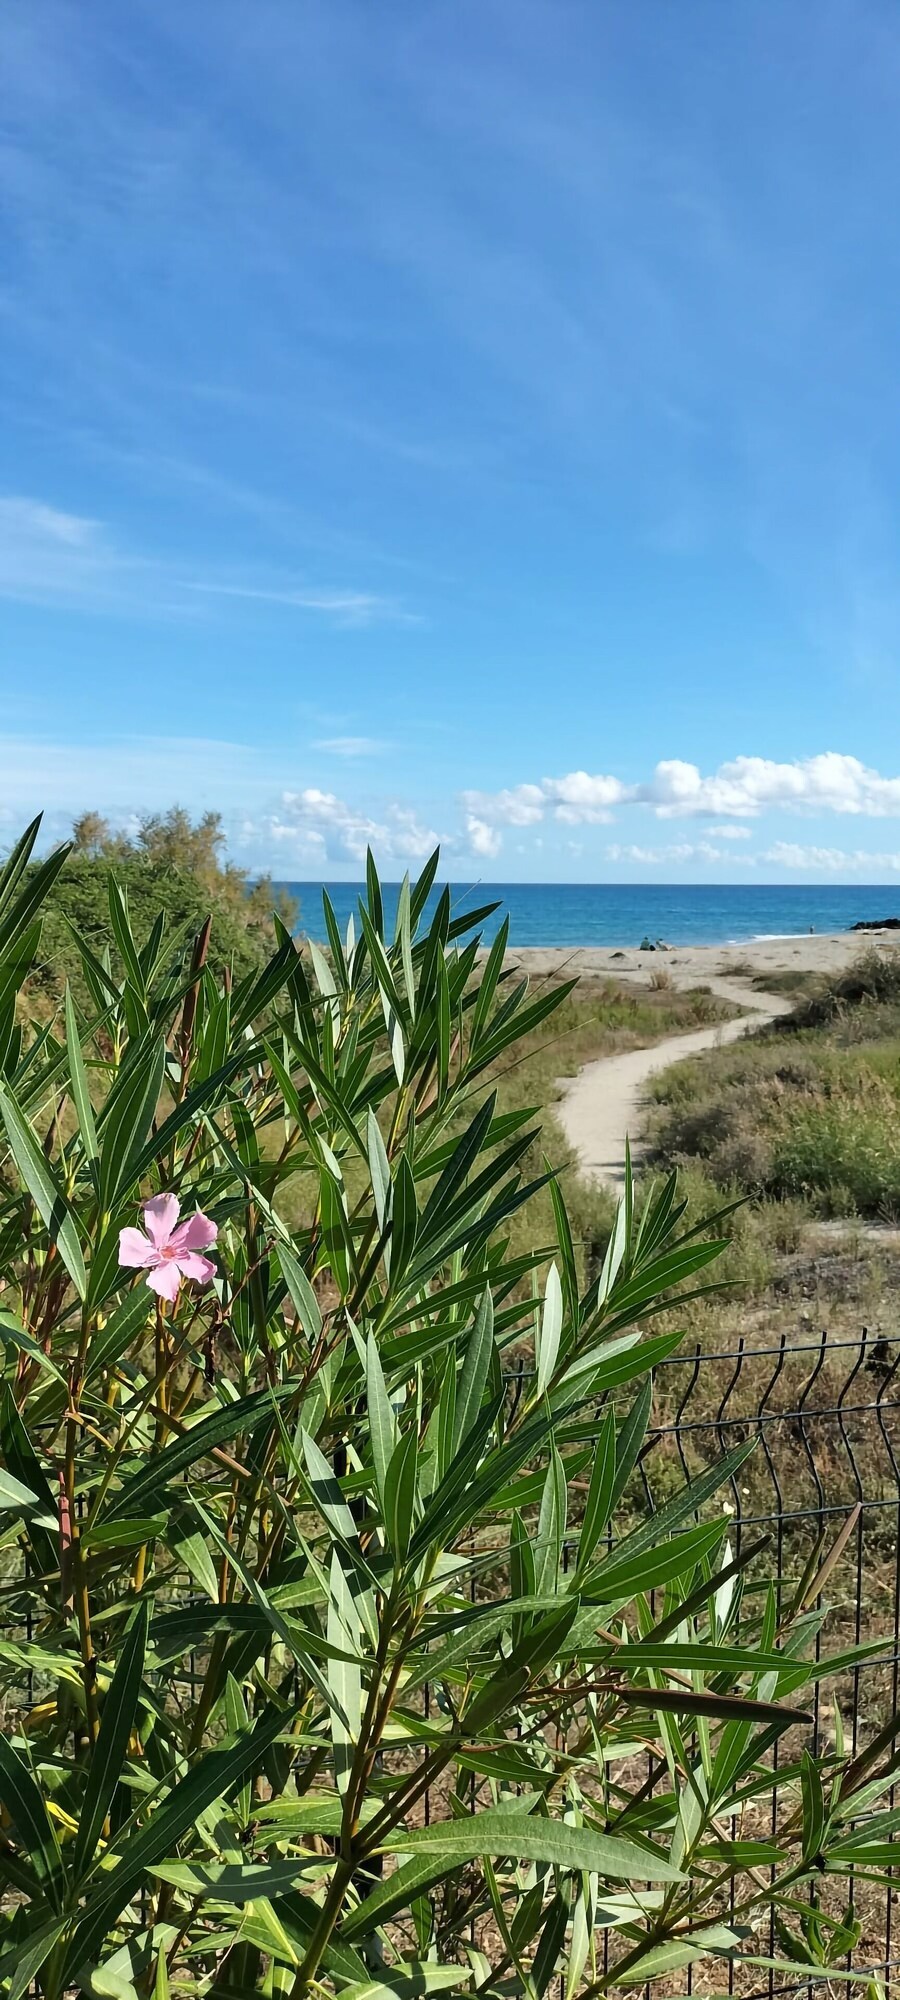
{"points": [[807, 1111]]}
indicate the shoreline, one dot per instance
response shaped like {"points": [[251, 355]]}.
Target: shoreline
{"points": [[693, 964]]}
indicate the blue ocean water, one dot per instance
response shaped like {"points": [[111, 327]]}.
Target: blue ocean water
{"points": [[620, 914]]}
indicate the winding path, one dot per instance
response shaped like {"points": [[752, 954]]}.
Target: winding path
{"points": [[606, 1098]]}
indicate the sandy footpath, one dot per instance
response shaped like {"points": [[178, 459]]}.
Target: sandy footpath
{"points": [[606, 1099]]}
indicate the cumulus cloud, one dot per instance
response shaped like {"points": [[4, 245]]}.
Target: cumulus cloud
{"points": [[522, 806], [321, 823], [483, 839], [740, 789], [731, 832]]}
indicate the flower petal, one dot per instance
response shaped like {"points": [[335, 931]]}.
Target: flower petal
{"points": [[165, 1279], [197, 1233], [199, 1268], [135, 1249], [160, 1216]]}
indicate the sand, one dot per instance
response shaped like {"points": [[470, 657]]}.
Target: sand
{"points": [[606, 1099], [697, 964]]}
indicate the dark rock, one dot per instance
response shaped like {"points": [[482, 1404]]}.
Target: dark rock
{"points": [[877, 924]]}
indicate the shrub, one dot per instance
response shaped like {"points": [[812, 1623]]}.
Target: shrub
{"points": [[283, 1555]]}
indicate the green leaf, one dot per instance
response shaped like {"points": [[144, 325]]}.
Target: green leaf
{"points": [[15, 1496], [215, 1774], [234, 1881], [21, 1797], [13, 1335], [499, 1833], [409, 1983], [396, 1893], [549, 1332], [22, 1962], [127, 1118], [475, 1370], [620, 1575], [400, 1493], [404, 1220], [122, 932], [302, 1296], [813, 1801], [15, 918], [382, 1421], [551, 1527], [111, 1748], [224, 1422], [344, 1633], [81, 1096], [600, 1492], [48, 1198]]}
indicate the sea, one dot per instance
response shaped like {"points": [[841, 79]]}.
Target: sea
{"points": [[621, 914]]}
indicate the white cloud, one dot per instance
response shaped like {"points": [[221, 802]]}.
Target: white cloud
{"points": [[48, 556], [731, 832], [313, 820], [522, 806], [833, 860], [830, 782], [351, 746], [348, 607], [742, 788], [679, 851], [483, 839]]}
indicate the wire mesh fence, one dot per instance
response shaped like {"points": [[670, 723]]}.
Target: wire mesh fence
{"points": [[825, 1414]]}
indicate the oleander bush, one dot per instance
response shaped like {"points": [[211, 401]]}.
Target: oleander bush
{"points": [[331, 1664]]}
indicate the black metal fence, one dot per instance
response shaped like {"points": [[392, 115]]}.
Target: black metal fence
{"points": [[826, 1413]]}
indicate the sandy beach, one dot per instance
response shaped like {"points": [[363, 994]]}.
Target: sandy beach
{"points": [[698, 964]]}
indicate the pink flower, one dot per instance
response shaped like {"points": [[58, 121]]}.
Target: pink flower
{"points": [[169, 1253]]}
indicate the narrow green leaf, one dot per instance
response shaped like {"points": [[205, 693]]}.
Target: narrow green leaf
{"points": [[600, 1492], [225, 1421], [111, 1748], [344, 1633], [215, 1774], [14, 1336], [400, 1493], [20, 1795], [550, 1330], [302, 1296], [551, 1527], [382, 1421], [48, 1198], [122, 932], [128, 1116], [475, 1370], [498, 1833], [81, 1096]]}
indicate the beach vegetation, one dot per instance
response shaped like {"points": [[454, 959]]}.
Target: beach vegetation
{"points": [[807, 1110], [288, 1557]]}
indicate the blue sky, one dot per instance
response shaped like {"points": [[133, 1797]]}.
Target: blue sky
{"points": [[474, 420]]}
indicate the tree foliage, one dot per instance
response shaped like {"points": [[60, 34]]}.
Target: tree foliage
{"points": [[168, 863], [288, 1558]]}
